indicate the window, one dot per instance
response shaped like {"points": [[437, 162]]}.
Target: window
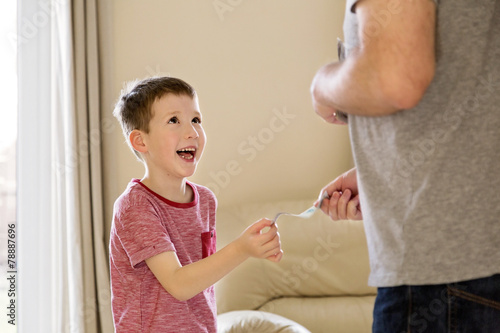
{"points": [[8, 186]]}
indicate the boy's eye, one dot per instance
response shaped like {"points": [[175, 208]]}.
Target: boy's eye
{"points": [[173, 120], [197, 120]]}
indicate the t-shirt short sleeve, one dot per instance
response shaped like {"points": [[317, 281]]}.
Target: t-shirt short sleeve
{"points": [[142, 233]]}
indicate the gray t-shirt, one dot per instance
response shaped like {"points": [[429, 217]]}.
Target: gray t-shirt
{"points": [[430, 176]]}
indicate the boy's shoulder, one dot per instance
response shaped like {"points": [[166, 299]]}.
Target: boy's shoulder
{"points": [[203, 191], [133, 195]]}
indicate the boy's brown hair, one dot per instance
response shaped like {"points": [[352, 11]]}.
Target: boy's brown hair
{"points": [[134, 106]]}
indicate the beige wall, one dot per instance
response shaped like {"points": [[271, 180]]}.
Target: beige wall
{"points": [[252, 65]]}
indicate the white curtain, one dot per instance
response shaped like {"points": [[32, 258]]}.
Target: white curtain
{"points": [[63, 272]]}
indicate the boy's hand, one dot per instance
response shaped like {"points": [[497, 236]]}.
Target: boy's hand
{"points": [[253, 242]]}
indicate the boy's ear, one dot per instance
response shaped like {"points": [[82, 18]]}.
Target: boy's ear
{"points": [[136, 139]]}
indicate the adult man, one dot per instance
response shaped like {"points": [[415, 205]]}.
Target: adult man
{"points": [[419, 87]]}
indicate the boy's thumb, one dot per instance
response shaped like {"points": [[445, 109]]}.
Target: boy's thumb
{"points": [[261, 224]]}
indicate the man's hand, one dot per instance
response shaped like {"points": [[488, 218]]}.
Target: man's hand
{"points": [[344, 198]]}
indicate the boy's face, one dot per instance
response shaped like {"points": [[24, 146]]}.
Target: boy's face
{"points": [[176, 139]]}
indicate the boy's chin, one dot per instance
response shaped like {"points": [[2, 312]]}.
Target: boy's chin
{"points": [[190, 171]]}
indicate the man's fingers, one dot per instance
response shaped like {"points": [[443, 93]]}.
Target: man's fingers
{"points": [[354, 209], [333, 206], [342, 204]]}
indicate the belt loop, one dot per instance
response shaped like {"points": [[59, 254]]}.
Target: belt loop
{"points": [[409, 308]]}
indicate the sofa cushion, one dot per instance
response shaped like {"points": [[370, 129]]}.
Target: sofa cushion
{"points": [[256, 321]]}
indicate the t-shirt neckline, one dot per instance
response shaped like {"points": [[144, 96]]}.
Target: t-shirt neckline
{"points": [[193, 203]]}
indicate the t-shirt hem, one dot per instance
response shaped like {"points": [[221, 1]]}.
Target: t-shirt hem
{"points": [[149, 252], [393, 280]]}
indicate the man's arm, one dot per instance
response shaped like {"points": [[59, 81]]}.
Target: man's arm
{"points": [[392, 67]]}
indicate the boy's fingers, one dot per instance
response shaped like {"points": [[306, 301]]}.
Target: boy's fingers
{"points": [[259, 225], [270, 238], [272, 243], [274, 255], [269, 235]]}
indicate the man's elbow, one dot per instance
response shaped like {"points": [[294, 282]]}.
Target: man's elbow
{"points": [[407, 92]]}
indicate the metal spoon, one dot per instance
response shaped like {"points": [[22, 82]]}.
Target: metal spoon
{"points": [[308, 212]]}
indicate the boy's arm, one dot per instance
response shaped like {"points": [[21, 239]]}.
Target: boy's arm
{"points": [[392, 67], [184, 282]]}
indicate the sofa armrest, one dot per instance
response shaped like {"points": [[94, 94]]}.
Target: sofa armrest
{"points": [[256, 321]]}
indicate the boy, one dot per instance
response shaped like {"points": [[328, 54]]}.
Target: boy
{"points": [[162, 245]]}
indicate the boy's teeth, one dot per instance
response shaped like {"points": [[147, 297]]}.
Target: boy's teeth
{"points": [[186, 153]]}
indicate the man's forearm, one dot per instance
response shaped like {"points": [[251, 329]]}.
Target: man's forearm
{"points": [[388, 71], [353, 87]]}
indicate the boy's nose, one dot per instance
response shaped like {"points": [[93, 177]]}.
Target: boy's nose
{"points": [[191, 132]]}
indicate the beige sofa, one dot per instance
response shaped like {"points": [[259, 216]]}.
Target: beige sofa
{"points": [[320, 284]]}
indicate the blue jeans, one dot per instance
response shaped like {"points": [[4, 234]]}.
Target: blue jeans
{"points": [[465, 307]]}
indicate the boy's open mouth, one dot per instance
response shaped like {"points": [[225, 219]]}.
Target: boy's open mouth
{"points": [[187, 153]]}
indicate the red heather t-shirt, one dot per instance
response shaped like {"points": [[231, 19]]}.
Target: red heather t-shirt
{"points": [[146, 224]]}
